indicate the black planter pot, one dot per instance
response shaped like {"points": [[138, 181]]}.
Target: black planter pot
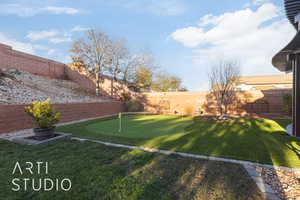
{"points": [[43, 132]]}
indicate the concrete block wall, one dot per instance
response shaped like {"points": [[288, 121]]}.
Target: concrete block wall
{"points": [[188, 102]]}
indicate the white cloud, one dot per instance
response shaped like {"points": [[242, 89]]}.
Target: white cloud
{"points": [[256, 3], [158, 7], [55, 36], [210, 19], [60, 10], [22, 46], [57, 40], [251, 37], [79, 29], [28, 11], [226, 26], [39, 35], [51, 52], [190, 36]]}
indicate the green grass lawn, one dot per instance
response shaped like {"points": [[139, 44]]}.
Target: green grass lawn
{"points": [[102, 172], [141, 126], [252, 139]]}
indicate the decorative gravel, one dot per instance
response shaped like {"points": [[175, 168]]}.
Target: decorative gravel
{"points": [[285, 182], [25, 88]]}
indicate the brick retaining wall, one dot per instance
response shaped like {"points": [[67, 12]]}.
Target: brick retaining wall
{"points": [[13, 117], [12, 59]]}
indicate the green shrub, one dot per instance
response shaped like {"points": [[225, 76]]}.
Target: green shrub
{"points": [[287, 103], [134, 106], [43, 113], [16, 72], [125, 96]]}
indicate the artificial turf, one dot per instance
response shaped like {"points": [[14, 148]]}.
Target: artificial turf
{"points": [[253, 139], [100, 172], [141, 126]]}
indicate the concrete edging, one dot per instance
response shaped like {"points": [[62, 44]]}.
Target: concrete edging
{"points": [[25, 140], [267, 191], [188, 155]]}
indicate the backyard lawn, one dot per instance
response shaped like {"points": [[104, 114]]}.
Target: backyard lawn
{"points": [[101, 172], [252, 139]]}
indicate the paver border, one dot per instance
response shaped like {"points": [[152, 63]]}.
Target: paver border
{"points": [[266, 189]]}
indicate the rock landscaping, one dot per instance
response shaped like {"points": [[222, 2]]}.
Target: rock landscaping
{"points": [[19, 87], [286, 183]]}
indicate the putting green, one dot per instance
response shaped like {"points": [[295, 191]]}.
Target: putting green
{"points": [[141, 126]]}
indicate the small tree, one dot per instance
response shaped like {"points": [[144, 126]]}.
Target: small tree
{"points": [[93, 51], [143, 78], [164, 82], [223, 79], [144, 72]]}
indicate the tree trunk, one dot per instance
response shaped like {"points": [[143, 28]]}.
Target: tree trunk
{"points": [[97, 84], [225, 109], [112, 87]]}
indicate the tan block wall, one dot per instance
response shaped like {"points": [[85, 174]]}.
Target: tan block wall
{"points": [[13, 117], [190, 102]]}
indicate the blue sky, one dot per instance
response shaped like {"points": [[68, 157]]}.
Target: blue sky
{"points": [[187, 37]]}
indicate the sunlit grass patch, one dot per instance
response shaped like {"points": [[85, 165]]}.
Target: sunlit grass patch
{"points": [[251, 139]]}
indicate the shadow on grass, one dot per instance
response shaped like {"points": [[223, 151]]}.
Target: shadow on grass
{"points": [[169, 177], [101, 172], [252, 139]]}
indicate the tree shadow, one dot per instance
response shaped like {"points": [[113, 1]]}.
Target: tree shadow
{"points": [[256, 142], [244, 138], [175, 177], [269, 104], [103, 172]]}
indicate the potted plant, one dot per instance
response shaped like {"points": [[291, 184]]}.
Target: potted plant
{"points": [[45, 116]]}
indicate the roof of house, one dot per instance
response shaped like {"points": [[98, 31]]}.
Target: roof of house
{"points": [[282, 60], [292, 8], [269, 79]]}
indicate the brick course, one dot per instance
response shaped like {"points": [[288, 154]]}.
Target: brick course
{"points": [[13, 117], [13, 59]]}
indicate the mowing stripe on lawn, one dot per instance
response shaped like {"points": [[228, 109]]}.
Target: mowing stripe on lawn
{"points": [[187, 155]]}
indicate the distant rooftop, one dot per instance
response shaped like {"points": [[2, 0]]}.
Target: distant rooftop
{"points": [[268, 79], [268, 82]]}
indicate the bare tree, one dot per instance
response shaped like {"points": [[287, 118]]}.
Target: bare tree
{"points": [[118, 56], [129, 68], [93, 51], [223, 79]]}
